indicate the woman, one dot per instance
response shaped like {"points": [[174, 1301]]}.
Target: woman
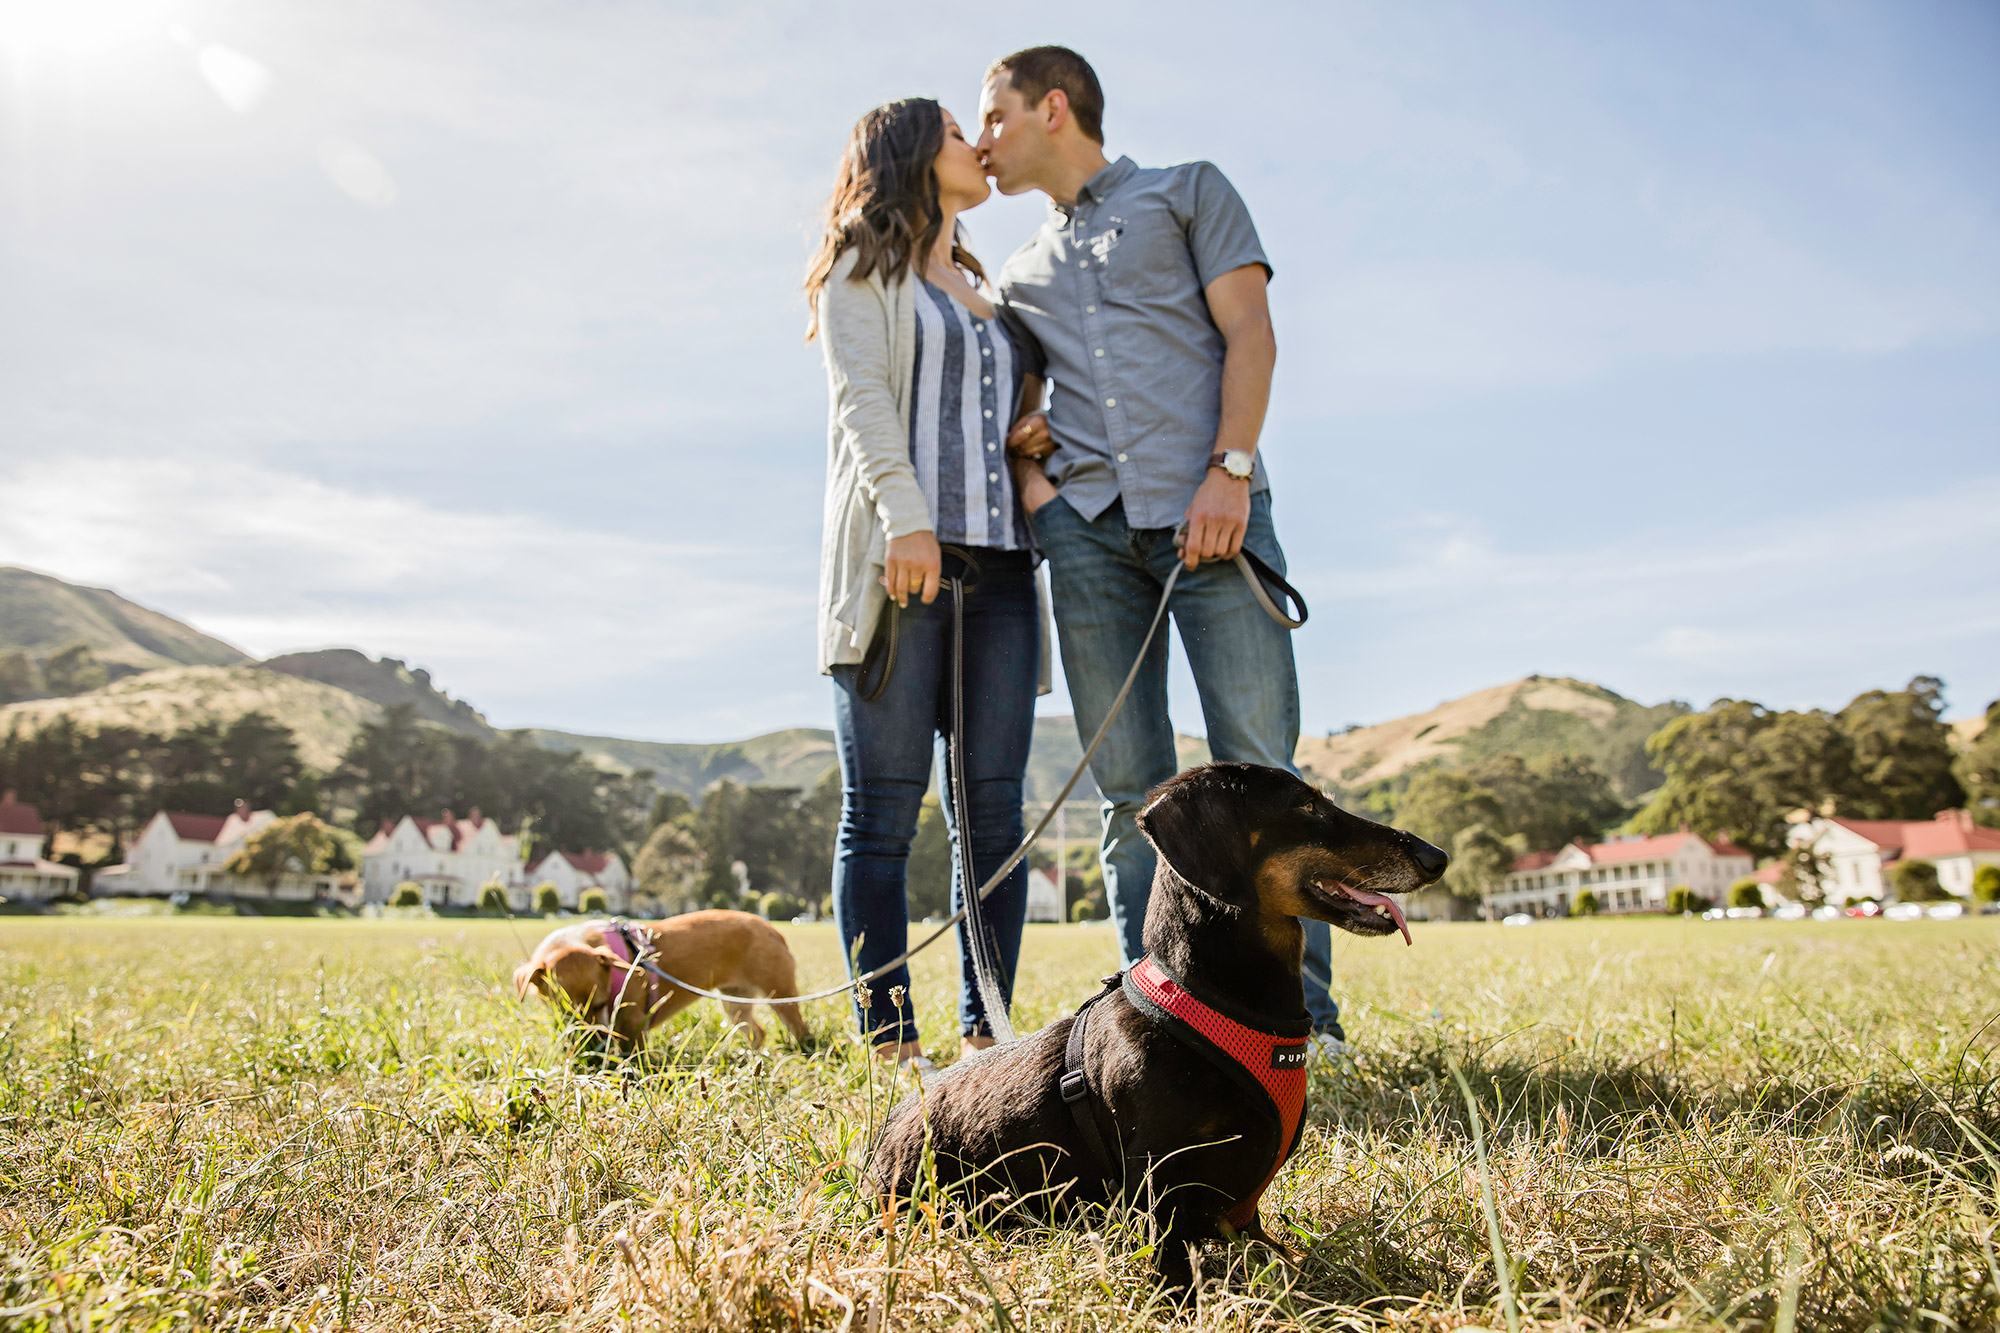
{"points": [[924, 385]]}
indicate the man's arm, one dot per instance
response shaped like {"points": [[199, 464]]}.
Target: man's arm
{"points": [[1219, 515], [1028, 444]]}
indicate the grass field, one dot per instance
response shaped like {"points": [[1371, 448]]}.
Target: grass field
{"points": [[273, 1124]]}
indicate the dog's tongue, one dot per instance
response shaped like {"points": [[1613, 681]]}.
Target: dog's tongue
{"points": [[1381, 900]]}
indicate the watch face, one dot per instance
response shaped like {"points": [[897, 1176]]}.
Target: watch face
{"points": [[1236, 463]]}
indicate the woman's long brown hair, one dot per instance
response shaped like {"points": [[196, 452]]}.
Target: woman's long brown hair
{"points": [[885, 201]]}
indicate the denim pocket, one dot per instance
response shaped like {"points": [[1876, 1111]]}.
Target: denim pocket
{"points": [[1036, 519]]}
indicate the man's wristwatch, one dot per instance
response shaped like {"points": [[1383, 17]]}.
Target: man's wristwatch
{"points": [[1235, 463]]}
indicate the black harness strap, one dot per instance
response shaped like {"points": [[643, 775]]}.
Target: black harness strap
{"points": [[1078, 1095]]}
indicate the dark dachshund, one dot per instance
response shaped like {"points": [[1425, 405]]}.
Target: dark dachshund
{"points": [[1193, 1129]]}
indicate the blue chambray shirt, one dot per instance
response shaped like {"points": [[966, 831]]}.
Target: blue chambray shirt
{"points": [[1107, 302]]}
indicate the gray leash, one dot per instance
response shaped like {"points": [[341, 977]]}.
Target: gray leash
{"points": [[1251, 569]]}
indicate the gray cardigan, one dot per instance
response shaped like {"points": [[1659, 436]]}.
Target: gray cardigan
{"points": [[867, 335]]}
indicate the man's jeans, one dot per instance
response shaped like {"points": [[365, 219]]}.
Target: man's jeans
{"points": [[1107, 579], [885, 766]]}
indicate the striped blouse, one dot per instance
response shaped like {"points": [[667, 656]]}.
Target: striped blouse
{"points": [[966, 380]]}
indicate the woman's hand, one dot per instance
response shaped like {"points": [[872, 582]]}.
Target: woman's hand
{"points": [[1030, 437], [1031, 484], [914, 565]]}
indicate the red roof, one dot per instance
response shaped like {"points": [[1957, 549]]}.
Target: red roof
{"points": [[1631, 849], [590, 863], [1533, 860], [1952, 833], [196, 828], [18, 818]]}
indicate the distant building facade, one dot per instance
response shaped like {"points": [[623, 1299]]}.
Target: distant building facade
{"points": [[1860, 855], [183, 853], [573, 872], [24, 875], [1045, 900], [1626, 874], [449, 858]]}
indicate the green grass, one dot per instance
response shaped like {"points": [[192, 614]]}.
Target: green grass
{"points": [[272, 1124]]}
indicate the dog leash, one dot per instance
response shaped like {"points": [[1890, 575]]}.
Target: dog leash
{"points": [[1248, 565]]}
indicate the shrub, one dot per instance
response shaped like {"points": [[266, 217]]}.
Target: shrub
{"points": [[1079, 910], [548, 898], [1746, 892], [493, 898], [1586, 904], [1986, 884], [1681, 898], [1917, 882], [408, 894], [776, 906], [593, 901]]}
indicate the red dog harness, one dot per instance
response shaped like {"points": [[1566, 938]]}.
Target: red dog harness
{"points": [[1270, 1065]]}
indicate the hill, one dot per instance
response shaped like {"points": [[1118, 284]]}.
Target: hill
{"points": [[798, 757], [1535, 718], [323, 718], [385, 681], [41, 615]]}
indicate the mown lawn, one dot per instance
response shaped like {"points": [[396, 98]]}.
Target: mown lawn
{"points": [[217, 1123]]}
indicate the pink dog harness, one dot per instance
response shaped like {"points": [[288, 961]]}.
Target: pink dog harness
{"points": [[1269, 1065], [626, 950]]}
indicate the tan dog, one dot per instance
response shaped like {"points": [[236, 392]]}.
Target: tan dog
{"points": [[732, 952]]}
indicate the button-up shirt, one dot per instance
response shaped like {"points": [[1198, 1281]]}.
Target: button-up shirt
{"points": [[1109, 301]]}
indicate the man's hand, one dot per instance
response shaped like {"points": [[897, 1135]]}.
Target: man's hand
{"points": [[1030, 437], [1217, 519], [1031, 484], [915, 565]]}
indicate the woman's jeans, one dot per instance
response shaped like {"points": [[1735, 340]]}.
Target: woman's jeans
{"points": [[886, 749]]}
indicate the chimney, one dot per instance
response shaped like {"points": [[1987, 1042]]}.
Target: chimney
{"points": [[445, 814], [242, 806], [473, 815], [8, 798]]}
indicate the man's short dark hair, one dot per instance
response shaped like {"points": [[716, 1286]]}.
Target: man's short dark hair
{"points": [[1037, 71]]}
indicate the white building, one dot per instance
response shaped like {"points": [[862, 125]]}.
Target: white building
{"points": [[451, 859], [183, 853], [1860, 854], [573, 872], [1630, 874], [24, 875], [1045, 900]]}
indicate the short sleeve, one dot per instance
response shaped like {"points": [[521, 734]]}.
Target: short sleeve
{"points": [[1220, 234], [1028, 352]]}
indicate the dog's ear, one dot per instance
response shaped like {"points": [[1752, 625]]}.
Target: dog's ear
{"points": [[1196, 822], [525, 976]]}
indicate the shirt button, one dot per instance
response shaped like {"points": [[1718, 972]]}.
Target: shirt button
{"points": [[994, 512], [1111, 402], [991, 447], [986, 379], [1121, 458], [1090, 310], [1083, 263], [989, 411], [986, 351], [1098, 352], [993, 476]]}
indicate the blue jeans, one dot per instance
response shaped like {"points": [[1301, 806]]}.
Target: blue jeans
{"points": [[886, 749], [1107, 578]]}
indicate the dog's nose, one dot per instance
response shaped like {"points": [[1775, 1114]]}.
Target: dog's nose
{"points": [[1430, 860]]}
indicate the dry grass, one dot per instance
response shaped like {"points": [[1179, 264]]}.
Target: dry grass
{"points": [[222, 1124]]}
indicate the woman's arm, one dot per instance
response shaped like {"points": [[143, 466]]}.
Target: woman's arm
{"points": [[1025, 450]]}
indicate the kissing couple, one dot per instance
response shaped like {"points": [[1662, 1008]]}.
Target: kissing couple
{"points": [[1138, 309]]}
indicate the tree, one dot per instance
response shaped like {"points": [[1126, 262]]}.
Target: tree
{"points": [[669, 867], [818, 833], [1738, 769], [1550, 802], [20, 678], [1917, 882], [1584, 904], [297, 844], [1441, 803], [1479, 863], [1902, 760], [928, 881], [715, 834], [548, 898], [1746, 892], [670, 807], [593, 901], [1986, 884], [776, 906], [74, 670], [492, 898], [408, 894], [1682, 899], [1978, 770]]}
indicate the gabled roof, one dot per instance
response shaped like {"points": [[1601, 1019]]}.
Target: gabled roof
{"points": [[195, 828], [1534, 860], [588, 863], [18, 818], [1952, 833], [1659, 848]]}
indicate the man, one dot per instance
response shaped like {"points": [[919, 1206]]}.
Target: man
{"points": [[1143, 298]]}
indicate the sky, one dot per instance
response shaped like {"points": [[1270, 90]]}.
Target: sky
{"points": [[1653, 345]]}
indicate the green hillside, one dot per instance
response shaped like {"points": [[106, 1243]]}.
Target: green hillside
{"points": [[40, 615], [385, 682]]}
